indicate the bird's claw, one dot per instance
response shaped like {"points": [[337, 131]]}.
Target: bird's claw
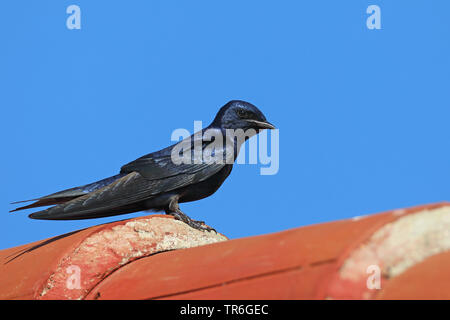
{"points": [[199, 225]]}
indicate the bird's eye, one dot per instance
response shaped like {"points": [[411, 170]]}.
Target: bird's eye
{"points": [[242, 113]]}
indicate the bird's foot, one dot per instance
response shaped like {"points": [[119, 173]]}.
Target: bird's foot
{"points": [[199, 225]]}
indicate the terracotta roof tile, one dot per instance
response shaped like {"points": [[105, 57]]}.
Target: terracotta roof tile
{"points": [[410, 247]]}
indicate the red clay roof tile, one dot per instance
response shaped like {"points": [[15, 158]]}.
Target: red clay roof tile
{"points": [[325, 261]]}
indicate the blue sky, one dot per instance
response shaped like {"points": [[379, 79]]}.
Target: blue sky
{"points": [[363, 114]]}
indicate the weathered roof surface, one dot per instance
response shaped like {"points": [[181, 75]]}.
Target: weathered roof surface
{"points": [[408, 248]]}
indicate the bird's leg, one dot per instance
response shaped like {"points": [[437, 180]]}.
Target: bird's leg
{"points": [[174, 210]]}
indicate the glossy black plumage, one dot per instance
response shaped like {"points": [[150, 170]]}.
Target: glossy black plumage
{"points": [[154, 181]]}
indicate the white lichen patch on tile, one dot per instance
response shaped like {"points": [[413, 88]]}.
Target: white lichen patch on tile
{"points": [[106, 250], [401, 244]]}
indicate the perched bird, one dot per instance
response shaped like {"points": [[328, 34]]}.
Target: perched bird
{"points": [[159, 181]]}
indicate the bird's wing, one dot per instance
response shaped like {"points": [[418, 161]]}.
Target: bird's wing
{"points": [[142, 179], [123, 194], [163, 167], [169, 162]]}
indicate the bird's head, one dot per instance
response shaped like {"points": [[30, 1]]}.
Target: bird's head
{"points": [[238, 114]]}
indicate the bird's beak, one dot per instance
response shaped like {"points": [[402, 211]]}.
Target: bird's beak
{"points": [[261, 124]]}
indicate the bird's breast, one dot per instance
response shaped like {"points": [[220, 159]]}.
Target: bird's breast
{"points": [[206, 187]]}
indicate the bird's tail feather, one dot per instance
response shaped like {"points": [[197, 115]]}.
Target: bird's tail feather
{"points": [[43, 202], [125, 195], [67, 195], [95, 213]]}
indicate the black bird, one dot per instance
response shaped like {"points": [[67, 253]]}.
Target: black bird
{"points": [[155, 181]]}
